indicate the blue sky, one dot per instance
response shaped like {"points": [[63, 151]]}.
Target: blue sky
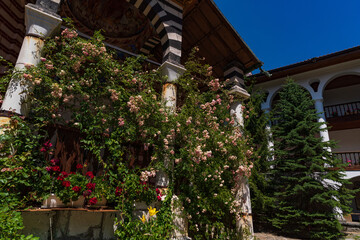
{"points": [[282, 32]]}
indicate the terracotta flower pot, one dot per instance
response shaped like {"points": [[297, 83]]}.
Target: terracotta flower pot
{"points": [[101, 202], [79, 203]]}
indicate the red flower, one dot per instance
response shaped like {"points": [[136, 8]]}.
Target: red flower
{"points": [[43, 149], [48, 144], [64, 174], [76, 189], [157, 191], [87, 193], [118, 191], [93, 201], [90, 186], [66, 183], [60, 178], [54, 161], [55, 168], [90, 174], [79, 166], [159, 198]]}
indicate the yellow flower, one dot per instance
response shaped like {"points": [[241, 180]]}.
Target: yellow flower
{"points": [[143, 219], [152, 211]]}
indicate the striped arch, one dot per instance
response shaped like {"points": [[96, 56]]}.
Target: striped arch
{"points": [[167, 21], [149, 45]]}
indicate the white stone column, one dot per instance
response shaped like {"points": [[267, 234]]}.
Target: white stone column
{"points": [[243, 192], [270, 141], [169, 91], [321, 119], [39, 24]]}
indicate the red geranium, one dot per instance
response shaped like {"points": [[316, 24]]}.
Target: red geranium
{"points": [[87, 193], [93, 201], [79, 166], [60, 178], [157, 191], [76, 189], [55, 168], [90, 186], [66, 183], [118, 191], [90, 174], [64, 174]]}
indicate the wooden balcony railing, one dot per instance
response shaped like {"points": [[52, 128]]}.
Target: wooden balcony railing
{"points": [[345, 110], [352, 159]]}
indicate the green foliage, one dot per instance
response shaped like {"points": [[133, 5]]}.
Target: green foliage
{"points": [[152, 227], [308, 180], [79, 85], [255, 124]]}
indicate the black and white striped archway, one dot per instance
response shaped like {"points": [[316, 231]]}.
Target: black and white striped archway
{"points": [[166, 17]]}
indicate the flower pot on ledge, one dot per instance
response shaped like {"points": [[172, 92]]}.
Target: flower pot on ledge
{"points": [[52, 202], [101, 202], [79, 203]]}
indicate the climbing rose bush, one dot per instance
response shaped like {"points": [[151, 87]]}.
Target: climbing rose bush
{"points": [[81, 85]]}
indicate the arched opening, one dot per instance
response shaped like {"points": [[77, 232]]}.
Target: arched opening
{"points": [[342, 112], [341, 97], [135, 27]]}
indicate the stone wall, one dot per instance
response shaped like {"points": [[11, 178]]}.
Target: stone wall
{"points": [[70, 224]]}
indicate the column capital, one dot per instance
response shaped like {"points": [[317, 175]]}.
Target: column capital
{"points": [[239, 92], [40, 23], [171, 70]]}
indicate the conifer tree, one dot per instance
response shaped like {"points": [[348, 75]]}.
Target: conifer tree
{"points": [[255, 126], [308, 180]]}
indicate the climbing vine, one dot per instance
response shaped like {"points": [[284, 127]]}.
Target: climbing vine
{"points": [[114, 105]]}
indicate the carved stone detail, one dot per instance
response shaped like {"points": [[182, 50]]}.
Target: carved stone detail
{"points": [[39, 23]]}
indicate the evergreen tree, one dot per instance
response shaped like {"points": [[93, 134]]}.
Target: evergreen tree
{"points": [[255, 126], [308, 180]]}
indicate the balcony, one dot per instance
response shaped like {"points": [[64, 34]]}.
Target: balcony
{"points": [[343, 116], [352, 159]]}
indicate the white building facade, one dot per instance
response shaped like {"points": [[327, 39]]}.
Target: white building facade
{"points": [[333, 81]]}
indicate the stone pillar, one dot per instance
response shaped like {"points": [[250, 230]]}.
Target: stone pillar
{"points": [[40, 23], [270, 142], [169, 91], [243, 193], [321, 119]]}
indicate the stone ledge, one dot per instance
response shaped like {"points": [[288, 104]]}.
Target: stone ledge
{"points": [[69, 209]]}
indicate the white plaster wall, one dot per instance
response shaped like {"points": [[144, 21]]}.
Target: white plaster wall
{"points": [[347, 140], [323, 75], [342, 95]]}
